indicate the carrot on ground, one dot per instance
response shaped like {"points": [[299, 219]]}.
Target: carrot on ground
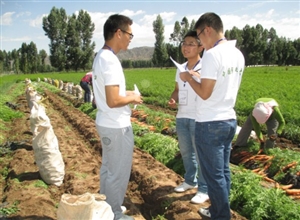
{"points": [[269, 179], [290, 165], [293, 191], [286, 186]]}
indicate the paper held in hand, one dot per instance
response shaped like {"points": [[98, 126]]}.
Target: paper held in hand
{"points": [[180, 67], [137, 92]]}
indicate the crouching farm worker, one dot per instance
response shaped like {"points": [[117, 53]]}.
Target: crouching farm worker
{"points": [[265, 111]]}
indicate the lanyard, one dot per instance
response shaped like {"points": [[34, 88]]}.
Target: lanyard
{"points": [[192, 69], [194, 65], [105, 45], [224, 38]]}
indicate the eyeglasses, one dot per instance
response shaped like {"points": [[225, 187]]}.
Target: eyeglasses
{"points": [[184, 44], [130, 34], [200, 33]]}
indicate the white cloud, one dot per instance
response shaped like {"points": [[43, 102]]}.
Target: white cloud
{"points": [[270, 13], [38, 21], [26, 13], [20, 39], [6, 18], [131, 13]]}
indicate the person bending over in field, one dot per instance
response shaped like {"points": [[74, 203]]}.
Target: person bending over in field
{"points": [[85, 84], [185, 96], [265, 111]]}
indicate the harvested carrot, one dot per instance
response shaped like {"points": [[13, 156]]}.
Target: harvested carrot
{"points": [[289, 166], [266, 167], [268, 179], [284, 187], [256, 170], [260, 151], [293, 191]]}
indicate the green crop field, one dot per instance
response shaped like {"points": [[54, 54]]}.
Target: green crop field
{"points": [[156, 86]]}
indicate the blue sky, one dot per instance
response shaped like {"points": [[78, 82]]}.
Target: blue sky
{"points": [[21, 20]]}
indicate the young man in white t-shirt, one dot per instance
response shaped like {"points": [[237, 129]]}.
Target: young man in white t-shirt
{"points": [[185, 97], [221, 74], [113, 115]]}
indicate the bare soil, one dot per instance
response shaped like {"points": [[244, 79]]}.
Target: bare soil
{"points": [[150, 190]]}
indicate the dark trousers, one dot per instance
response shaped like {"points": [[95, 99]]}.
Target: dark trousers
{"points": [[87, 91]]}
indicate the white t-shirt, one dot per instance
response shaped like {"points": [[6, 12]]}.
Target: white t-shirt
{"points": [[186, 95], [225, 64], [107, 70]]}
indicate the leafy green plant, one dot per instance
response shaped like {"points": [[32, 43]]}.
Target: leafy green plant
{"points": [[13, 209], [255, 202], [41, 184]]}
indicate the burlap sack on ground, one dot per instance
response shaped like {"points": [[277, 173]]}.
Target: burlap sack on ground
{"points": [[87, 206]]}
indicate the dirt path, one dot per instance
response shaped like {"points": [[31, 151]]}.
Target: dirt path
{"points": [[150, 190]]}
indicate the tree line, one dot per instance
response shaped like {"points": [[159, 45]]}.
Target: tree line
{"points": [[259, 46], [72, 49]]}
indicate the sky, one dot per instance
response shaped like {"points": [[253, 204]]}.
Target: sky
{"points": [[21, 20]]}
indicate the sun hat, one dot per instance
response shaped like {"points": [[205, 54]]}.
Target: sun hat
{"points": [[262, 112]]}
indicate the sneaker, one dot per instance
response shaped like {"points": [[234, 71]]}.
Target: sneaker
{"points": [[199, 198], [123, 209], [205, 212], [126, 217], [183, 187]]}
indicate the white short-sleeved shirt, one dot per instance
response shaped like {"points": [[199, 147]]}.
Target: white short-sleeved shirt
{"points": [[186, 95], [107, 70], [225, 64]]}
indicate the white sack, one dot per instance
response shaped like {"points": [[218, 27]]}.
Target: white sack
{"points": [[87, 206]]}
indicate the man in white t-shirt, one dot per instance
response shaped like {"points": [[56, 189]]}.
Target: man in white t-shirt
{"points": [[113, 115], [221, 74], [185, 97]]}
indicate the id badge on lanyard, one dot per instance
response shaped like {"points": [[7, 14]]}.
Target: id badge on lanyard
{"points": [[183, 97]]}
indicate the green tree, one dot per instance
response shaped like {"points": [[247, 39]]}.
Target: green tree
{"points": [[16, 61], [24, 66], [55, 26], [42, 57], [73, 50], [296, 44], [32, 58], [270, 54], [1, 61], [86, 29], [160, 53]]}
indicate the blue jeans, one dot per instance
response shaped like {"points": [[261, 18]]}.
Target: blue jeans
{"points": [[87, 91], [213, 144], [185, 128]]}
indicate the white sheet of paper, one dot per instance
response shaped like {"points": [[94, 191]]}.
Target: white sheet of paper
{"points": [[137, 92], [180, 67]]}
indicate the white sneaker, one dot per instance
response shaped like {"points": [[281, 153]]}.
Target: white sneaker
{"points": [[126, 217], [123, 209], [205, 212], [184, 187], [199, 198]]}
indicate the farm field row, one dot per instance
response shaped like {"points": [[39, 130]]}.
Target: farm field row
{"points": [[159, 119]]}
